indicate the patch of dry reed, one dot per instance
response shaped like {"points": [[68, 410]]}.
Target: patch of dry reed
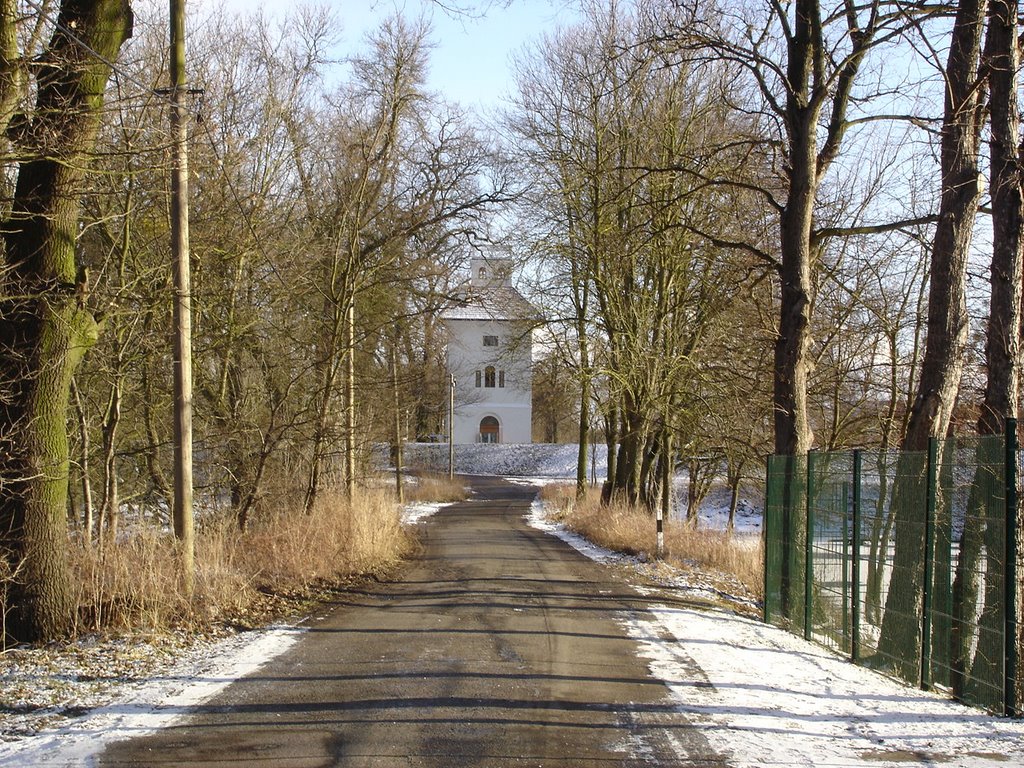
{"points": [[435, 488], [134, 583], [722, 556]]}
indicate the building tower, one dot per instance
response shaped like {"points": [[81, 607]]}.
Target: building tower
{"points": [[490, 353]]}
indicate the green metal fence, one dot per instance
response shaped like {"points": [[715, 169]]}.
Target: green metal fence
{"points": [[906, 562]]}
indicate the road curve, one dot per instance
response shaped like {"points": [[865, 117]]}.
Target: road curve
{"points": [[499, 646]]}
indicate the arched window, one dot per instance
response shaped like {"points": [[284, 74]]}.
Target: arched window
{"points": [[489, 376], [482, 274], [489, 429]]}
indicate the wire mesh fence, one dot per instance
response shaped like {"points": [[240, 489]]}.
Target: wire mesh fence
{"points": [[906, 562]]}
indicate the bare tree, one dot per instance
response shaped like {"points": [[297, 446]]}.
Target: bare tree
{"points": [[983, 536], [612, 124]]}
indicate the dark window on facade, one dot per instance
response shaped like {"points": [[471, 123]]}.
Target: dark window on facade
{"points": [[489, 376], [501, 379], [490, 341], [478, 378]]}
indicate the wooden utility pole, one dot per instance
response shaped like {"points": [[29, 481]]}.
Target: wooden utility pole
{"points": [[183, 523]]}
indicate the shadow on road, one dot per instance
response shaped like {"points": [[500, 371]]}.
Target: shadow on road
{"points": [[500, 646]]}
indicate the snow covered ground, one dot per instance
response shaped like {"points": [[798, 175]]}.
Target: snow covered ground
{"points": [[421, 510], [505, 459], [135, 706], [764, 697]]}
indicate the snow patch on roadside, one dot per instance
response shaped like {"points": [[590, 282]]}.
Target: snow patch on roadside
{"points": [[534, 482], [770, 698], [415, 513], [151, 704], [539, 520], [694, 584]]}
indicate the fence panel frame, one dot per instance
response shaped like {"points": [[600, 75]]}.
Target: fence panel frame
{"points": [[781, 532], [855, 597]]}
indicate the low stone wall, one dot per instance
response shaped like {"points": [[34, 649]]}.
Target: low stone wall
{"points": [[530, 460]]}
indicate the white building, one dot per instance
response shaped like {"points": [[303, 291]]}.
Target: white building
{"points": [[490, 353]]}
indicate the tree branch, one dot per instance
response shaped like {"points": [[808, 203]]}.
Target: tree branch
{"points": [[870, 229]]}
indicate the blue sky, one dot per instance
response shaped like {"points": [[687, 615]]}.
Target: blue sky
{"points": [[471, 63]]}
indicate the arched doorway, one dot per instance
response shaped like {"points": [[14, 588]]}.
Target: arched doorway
{"points": [[489, 429]]}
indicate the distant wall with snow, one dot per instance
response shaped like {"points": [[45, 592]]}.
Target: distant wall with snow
{"points": [[531, 460], [559, 461]]}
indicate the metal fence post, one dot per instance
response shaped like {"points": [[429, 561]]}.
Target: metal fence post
{"points": [[929, 565], [855, 587], [846, 566], [1010, 704], [809, 548]]}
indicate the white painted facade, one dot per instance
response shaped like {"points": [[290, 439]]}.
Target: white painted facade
{"points": [[490, 354]]}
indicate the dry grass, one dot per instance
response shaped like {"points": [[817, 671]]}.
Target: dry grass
{"points": [[727, 559], [435, 488], [240, 577], [292, 551], [133, 583]]}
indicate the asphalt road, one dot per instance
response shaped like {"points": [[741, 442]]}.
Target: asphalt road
{"points": [[498, 647]]}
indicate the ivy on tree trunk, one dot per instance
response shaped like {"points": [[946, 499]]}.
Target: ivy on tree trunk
{"points": [[45, 327]]}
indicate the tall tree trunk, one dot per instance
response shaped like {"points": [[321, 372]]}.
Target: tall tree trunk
{"points": [[45, 327], [1003, 344], [631, 441], [792, 430], [647, 475], [792, 361], [397, 406], [328, 376], [12, 72], [350, 397], [942, 366], [583, 433], [734, 476], [611, 437], [581, 294]]}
